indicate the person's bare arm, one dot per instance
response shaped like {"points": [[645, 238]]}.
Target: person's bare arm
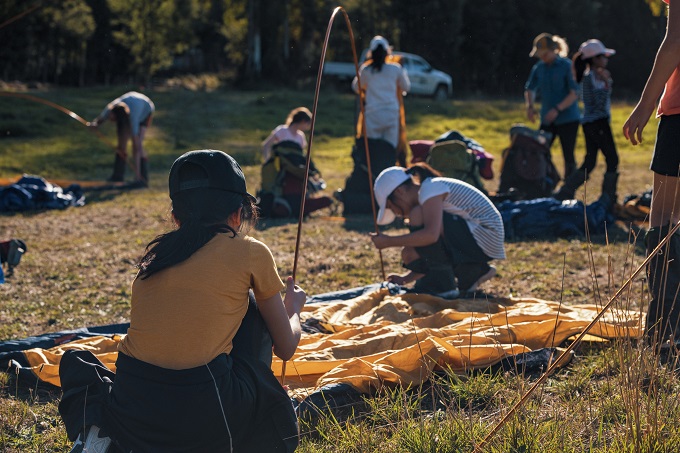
{"points": [[560, 106], [429, 234], [282, 318], [529, 99], [667, 59]]}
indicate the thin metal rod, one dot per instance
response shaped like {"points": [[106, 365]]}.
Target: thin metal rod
{"points": [[311, 137], [576, 342], [20, 15], [70, 113]]}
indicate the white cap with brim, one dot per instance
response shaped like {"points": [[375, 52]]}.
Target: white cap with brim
{"points": [[378, 41], [386, 182], [593, 48]]}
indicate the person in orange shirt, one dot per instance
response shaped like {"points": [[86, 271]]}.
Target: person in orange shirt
{"points": [[194, 370], [663, 270]]}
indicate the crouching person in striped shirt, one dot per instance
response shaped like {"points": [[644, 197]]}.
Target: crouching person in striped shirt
{"points": [[455, 230]]}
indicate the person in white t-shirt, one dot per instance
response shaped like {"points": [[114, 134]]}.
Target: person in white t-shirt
{"points": [[298, 122], [381, 81], [455, 230]]}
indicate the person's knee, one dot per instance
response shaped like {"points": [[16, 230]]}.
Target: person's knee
{"points": [[409, 255]]}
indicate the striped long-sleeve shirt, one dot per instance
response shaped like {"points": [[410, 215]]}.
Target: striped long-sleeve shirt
{"points": [[467, 202], [596, 95]]}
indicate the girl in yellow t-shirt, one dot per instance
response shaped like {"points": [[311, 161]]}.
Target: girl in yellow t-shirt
{"points": [[194, 371]]}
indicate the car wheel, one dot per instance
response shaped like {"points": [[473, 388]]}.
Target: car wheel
{"points": [[441, 93]]}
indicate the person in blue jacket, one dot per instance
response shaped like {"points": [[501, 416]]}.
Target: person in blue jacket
{"points": [[552, 79]]}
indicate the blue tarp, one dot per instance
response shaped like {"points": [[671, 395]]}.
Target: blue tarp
{"points": [[548, 217]]}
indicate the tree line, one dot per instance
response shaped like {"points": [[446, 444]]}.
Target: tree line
{"points": [[483, 44]]}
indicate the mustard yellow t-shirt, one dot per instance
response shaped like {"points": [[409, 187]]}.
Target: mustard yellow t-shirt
{"points": [[186, 315]]}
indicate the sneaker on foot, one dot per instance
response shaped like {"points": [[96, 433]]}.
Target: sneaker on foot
{"points": [[491, 273], [93, 443], [450, 294]]}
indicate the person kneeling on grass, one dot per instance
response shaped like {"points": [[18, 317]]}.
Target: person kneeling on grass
{"points": [[194, 370], [455, 230]]}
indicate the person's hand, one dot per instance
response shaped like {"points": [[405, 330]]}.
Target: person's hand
{"points": [[397, 279], [550, 116], [603, 74], [92, 124], [636, 122], [531, 113], [295, 297], [381, 241]]}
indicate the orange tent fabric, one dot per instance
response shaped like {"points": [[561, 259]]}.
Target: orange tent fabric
{"points": [[381, 339]]}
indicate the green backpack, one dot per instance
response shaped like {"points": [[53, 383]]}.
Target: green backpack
{"points": [[453, 159]]}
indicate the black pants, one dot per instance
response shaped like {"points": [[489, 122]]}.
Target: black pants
{"points": [[143, 407], [461, 245], [598, 135], [567, 133]]}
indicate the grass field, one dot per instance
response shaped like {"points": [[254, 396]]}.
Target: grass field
{"points": [[81, 262]]}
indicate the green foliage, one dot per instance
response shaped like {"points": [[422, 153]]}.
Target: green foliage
{"points": [[483, 44], [148, 30]]}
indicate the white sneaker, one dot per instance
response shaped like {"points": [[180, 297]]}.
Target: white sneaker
{"points": [[93, 443], [491, 273], [450, 294]]}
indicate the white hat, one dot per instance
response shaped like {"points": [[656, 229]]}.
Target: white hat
{"points": [[388, 180], [593, 48], [379, 41]]}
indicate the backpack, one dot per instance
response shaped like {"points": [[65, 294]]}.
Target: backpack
{"points": [[11, 252], [527, 164], [356, 196], [454, 159], [284, 174]]}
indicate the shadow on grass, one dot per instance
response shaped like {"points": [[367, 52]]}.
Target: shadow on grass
{"points": [[28, 391]]}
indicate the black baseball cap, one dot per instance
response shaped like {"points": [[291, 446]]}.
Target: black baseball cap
{"points": [[216, 170]]}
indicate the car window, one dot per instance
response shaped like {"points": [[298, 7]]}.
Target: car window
{"points": [[420, 65]]}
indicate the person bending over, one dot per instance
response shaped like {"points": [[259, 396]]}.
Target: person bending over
{"points": [[455, 230], [132, 113]]}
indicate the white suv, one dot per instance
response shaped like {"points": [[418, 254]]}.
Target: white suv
{"points": [[424, 79]]}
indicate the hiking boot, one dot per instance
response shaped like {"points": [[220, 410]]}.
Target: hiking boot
{"points": [[119, 164], [144, 171], [609, 183], [93, 443], [571, 183], [472, 275], [663, 281]]}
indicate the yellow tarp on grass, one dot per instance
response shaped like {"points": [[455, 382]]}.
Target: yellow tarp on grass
{"points": [[382, 339]]}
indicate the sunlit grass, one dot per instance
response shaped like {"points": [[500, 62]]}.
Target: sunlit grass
{"points": [[81, 262]]}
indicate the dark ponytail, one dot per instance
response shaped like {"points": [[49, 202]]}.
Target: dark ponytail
{"points": [[201, 214], [421, 171], [580, 66], [378, 58]]}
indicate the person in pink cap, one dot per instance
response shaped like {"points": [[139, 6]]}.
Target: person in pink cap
{"points": [[663, 270], [455, 230], [590, 70]]}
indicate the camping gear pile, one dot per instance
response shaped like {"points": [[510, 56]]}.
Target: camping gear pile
{"points": [[455, 156], [32, 193], [283, 178]]}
